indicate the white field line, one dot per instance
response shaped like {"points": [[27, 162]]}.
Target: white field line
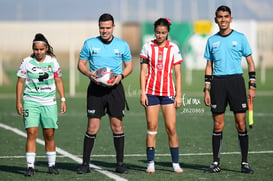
{"points": [[144, 155], [66, 154]]}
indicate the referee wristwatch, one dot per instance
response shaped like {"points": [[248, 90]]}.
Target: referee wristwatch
{"points": [[252, 84], [206, 89], [122, 76]]}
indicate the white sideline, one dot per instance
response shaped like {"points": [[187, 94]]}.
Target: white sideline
{"points": [[66, 154]]}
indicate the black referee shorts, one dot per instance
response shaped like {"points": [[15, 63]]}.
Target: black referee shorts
{"points": [[228, 90], [102, 100]]}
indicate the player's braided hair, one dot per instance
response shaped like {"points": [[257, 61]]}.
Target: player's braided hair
{"points": [[39, 37]]}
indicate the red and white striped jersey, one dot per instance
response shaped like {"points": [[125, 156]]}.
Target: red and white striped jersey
{"points": [[161, 60]]}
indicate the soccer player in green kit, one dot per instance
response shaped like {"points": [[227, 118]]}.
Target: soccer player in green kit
{"points": [[41, 74]]}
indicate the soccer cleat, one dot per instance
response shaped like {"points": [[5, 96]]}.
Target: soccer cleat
{"points": [[83, 169], [213, 168], [53, 170], [121, 169], [245, 168], [150, 167], [177, 168], [29, 172]]}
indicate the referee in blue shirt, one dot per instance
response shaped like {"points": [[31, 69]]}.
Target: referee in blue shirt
{"points": [[105, 51], [224, 84]]}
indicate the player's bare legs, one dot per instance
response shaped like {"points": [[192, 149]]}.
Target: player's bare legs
{"points": [[240, 121], [218, 122], [49, 139], [169, 114], [116, 125], [152, 124], [93, 125], [32, 134]]}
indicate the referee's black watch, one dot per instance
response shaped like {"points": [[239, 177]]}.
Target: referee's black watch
{"points": [[122, 76], [206, 89], [251, 84]]}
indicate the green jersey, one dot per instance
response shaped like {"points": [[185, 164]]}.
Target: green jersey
{"points": [[39, 79]]}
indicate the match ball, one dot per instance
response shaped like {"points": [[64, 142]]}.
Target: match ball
{"points": [[105, 76]]}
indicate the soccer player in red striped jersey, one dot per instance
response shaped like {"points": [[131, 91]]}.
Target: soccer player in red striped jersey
{"points": [[158, 58]]}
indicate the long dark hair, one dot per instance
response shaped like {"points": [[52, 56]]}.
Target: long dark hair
{"points": [[40, 37], [163, 22]]}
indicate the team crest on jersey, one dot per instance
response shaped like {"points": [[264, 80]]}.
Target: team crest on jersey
{"points": [[234, 43], [50, 68], [95, 51], [160, 57], [116, 51], [159, 66], [215, 44]]}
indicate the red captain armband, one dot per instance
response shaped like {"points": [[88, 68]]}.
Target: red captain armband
{"points": [[58, 73]]}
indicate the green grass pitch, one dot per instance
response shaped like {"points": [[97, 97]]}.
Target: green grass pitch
{"points": [[194, 126]]}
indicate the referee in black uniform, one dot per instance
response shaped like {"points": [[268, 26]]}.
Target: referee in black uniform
{"points": [[224, 84]]}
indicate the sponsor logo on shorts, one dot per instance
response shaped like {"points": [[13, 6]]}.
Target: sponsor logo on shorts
{"points": [[244, 105], [213, 106], [91, 111], [172, 98]]}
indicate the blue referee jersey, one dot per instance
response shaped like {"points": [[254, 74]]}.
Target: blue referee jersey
{"points": [[109, 55], [226, 52]]}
